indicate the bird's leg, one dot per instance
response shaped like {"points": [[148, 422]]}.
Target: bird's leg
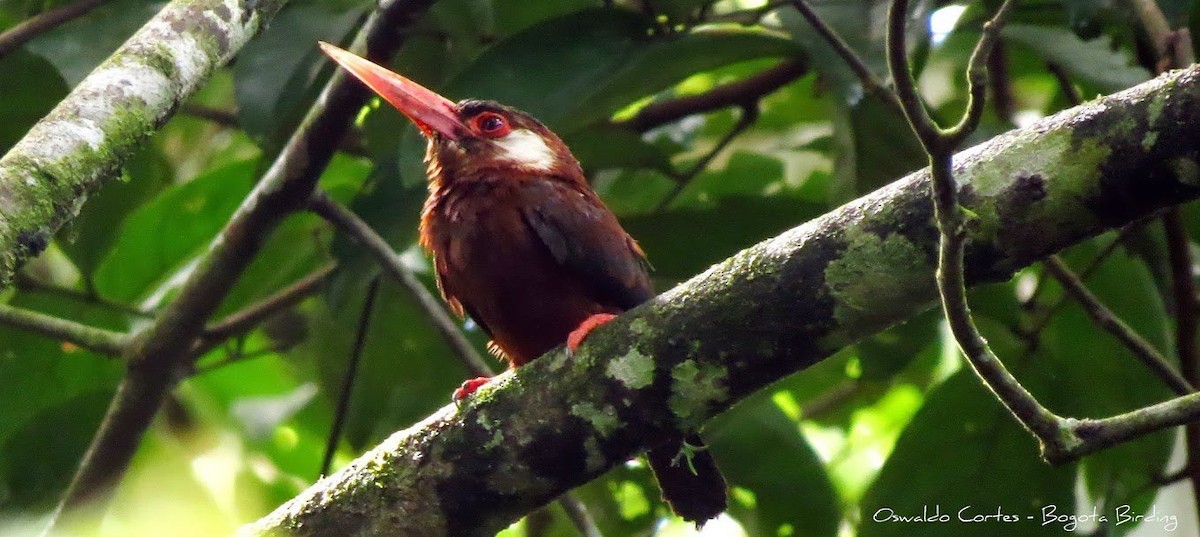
{"points": [[468, 387], [576, 337]]}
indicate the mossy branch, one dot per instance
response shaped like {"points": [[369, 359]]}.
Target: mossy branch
{"points": [[161, 354], [48, 175], [771, 310]]}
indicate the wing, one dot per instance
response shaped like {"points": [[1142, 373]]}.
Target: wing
{"points": [[584, 237]]}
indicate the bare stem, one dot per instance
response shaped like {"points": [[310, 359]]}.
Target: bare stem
{"points": [[940, 145], [751, 88], [387, 259], [871, 83], [98, 340], [749, 116], [1106, 319]]}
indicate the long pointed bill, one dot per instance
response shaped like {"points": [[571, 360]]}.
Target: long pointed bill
{"points": [[431, 112]]}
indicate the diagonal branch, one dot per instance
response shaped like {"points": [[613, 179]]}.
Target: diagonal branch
{"points": [[678, 360], [81, 144], [160, 355]]}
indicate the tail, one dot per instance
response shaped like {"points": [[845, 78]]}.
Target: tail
{"points": [[689, 479]]}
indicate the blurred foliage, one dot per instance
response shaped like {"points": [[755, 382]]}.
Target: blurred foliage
{"points": [[891, 426]]}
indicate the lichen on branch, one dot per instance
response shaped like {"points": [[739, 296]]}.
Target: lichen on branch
{"points": [[768, 311], [81, 144]]}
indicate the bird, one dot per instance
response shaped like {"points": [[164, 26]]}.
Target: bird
{"points": [[523, 245]]}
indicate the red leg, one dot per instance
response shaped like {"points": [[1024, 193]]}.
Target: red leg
{"points": [[468, 387], [576, 337]]}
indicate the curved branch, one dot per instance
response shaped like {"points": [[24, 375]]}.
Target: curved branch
{"points": [[673, 363]]}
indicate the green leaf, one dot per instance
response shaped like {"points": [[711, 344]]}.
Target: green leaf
{"points": [[78, 46], [87, 238], [964, 452], [58, 393], [161, 237], [26, 98], [574, 70], [275, 77], [1092, 61], [407, 370], [761, 451], [38, 459], [875, 146], [1104, 378], [607, 147], [681, 243]]}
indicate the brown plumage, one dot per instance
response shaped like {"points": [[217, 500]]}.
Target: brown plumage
{"points": [[523, 245]]}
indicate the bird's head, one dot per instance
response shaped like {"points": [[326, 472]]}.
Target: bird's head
{"points": [[471, 138]]}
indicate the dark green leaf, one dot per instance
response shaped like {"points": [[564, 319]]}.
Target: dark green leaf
{"points": [[27, 97], [762, 451], [161, 237]]}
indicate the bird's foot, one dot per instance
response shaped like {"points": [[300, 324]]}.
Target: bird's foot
{"points": [[580, 332], [468, 387]]}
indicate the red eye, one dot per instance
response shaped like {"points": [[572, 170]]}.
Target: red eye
{"points": [[491, 124]]}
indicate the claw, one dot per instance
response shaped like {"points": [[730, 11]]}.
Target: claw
{"points": [[468, 387], [577, 335]]}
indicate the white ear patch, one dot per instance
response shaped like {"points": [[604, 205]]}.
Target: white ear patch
{"points": [[526, 148]]}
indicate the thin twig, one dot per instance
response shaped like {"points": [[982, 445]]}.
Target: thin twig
{"points": [[1106, 319], [751, 88], [579, 515], [238, 357], [347, 391], [1170, 54], [871, 83], [1187, 314], [1004, 104], [748, 117], [222, 117], [355, 227], [28, 29], [97, 340], [247, 318], [1070, 92], [940, 145], [31, 285]]}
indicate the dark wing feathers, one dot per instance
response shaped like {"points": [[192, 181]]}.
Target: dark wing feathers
{"points": [[584, 237]]}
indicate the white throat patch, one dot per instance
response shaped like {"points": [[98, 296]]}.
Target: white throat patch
{"points": [[525, 148]]}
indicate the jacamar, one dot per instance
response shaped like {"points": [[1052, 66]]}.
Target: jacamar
{"points": [[522, 244]]}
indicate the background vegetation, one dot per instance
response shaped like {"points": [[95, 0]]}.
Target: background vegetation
{"points": [[895, 421]]}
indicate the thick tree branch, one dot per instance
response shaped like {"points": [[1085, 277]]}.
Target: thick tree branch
{"points": [[160, 355], [771, 310], [82, 143]]}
